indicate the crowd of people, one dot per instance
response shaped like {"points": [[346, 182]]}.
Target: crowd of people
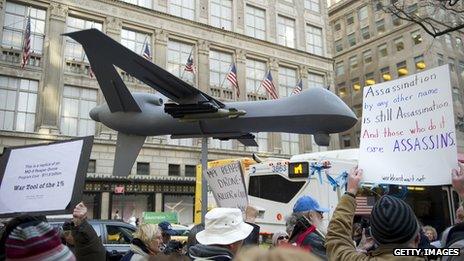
{"points": [[226, 235]]}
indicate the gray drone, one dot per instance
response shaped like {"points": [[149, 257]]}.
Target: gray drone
{"points": [[191, 113]]}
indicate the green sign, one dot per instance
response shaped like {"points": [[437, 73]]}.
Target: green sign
{"points": [[158, 217]]}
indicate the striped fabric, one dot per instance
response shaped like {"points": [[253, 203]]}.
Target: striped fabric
{"points": [[268, 84], [146, 52], [36, 240], [364, 205], [26, 43], [298, 88], [232, 77]]}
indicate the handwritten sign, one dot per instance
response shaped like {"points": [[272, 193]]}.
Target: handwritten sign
{"points": [[408, 134], [43, 178], [228, 186]]}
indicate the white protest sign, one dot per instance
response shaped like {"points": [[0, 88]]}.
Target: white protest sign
{"points": [[408, 134], [40, 178], [228, 187]]}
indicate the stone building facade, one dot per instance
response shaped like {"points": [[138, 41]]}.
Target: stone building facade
{"points": [[371, 46], [50, 98]]}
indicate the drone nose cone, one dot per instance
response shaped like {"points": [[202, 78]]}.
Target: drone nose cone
{"points": [[94, 114]]}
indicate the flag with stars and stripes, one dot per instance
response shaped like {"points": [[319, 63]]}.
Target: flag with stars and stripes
{"points": [[146, 52], [27, 43], [189, 66], [232, 77], [268, 84], [298, 88]]}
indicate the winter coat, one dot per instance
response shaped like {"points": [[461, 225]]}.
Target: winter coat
{"points": [[87, 244], [306, 236], [138, 251], [339, 244], [203, 252]]}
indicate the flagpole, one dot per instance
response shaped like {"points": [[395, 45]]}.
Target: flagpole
{"points": [[190, 55], [265, 75], [225, 77], [143, 46]]}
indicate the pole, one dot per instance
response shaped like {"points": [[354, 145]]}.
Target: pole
{"points": [[204, 185]]}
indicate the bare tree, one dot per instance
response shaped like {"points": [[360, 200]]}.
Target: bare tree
{"points": [[434, 16]]}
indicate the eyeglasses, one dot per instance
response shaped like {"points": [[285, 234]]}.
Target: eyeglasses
{"points": [[282, 237]]}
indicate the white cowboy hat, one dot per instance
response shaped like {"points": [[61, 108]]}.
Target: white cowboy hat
{"points": [[223, 226]]}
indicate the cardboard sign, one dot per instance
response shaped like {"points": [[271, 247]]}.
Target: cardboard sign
{"points": [[158, 217], [228, 186], [44, 178], [408, 134]]}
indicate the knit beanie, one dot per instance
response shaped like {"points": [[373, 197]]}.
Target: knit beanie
{"points": [[36, 240], [393, 221]]}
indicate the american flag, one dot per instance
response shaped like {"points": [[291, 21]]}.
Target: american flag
{"points": [[232, 77], [27, 43], [189, 66], [298, 88], [364, 205], [269, 86], [146, 52]]}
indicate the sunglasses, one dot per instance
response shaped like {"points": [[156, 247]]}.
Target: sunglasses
{"points": [[282, 237]]}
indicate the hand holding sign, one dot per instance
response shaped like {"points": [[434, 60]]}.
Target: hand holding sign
{"points": [[79, 214], [458, 180], [354, 179]]}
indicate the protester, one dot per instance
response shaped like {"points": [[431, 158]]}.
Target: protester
{"points": [[147, 241], [393, 225], [290, 222], [250, 218], [191, 239], [275, 254], [35, 239], [307, 230], [81, 238], [166, 232], [279, 238], [459, 215], [223, 235], [116, 215], [430, 233]]}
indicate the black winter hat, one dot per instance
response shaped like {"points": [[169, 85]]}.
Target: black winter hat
{"points": [[393, 221]]}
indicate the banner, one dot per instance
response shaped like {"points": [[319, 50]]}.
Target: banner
{"points": [[228, 186], [408, 134], [158, 217], [44, 178]]}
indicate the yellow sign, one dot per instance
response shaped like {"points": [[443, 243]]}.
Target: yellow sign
{"points": [[298, 169]]}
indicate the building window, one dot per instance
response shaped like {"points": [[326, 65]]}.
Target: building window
{"points": [[255, 21], [287, 81], [367, 56], [142, 3], [339, 69], [396, 20], [354, 62], [346, 139], [220, 144], [219, 67], [350, 19], [262, 139], [91, 168], [254, 75], [182, 8], [221, 14], [315, 80], [383, 51], [358, 110], [362, 13], [355, 84], [402, 68], [18, 98], [174, 170], [448, 41], [342, 92], [452, 65], [416, 37], [459, 44], [312, 5], [337, 26], [143, 168], [380, 25], [15, 25], [77, 103], [419, 62], [286, 31], [385, 73], [365, 33], [135, 41], [440, 59], [461, 68], [456, 95], [290, 143], [399, 44], [412, 9], [190, 170], [369, 78], [339, 45], [73, 50], [352, 39], [314, 40], [178, 54]]}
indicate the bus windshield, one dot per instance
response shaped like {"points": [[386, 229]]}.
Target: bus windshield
{"points": [[274, 187]]}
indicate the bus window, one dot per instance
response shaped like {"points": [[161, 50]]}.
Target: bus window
{"points": [[274, 187]]}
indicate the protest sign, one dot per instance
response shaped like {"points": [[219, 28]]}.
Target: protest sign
{"points": [[44, 178], [228, 186], [408, 134]]}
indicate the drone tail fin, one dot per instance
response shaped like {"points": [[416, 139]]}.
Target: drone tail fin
{"points": [[127, 150]]}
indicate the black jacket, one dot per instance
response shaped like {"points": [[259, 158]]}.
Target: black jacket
{"points": [[210, 253], [88, 245], [314, 242]]}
